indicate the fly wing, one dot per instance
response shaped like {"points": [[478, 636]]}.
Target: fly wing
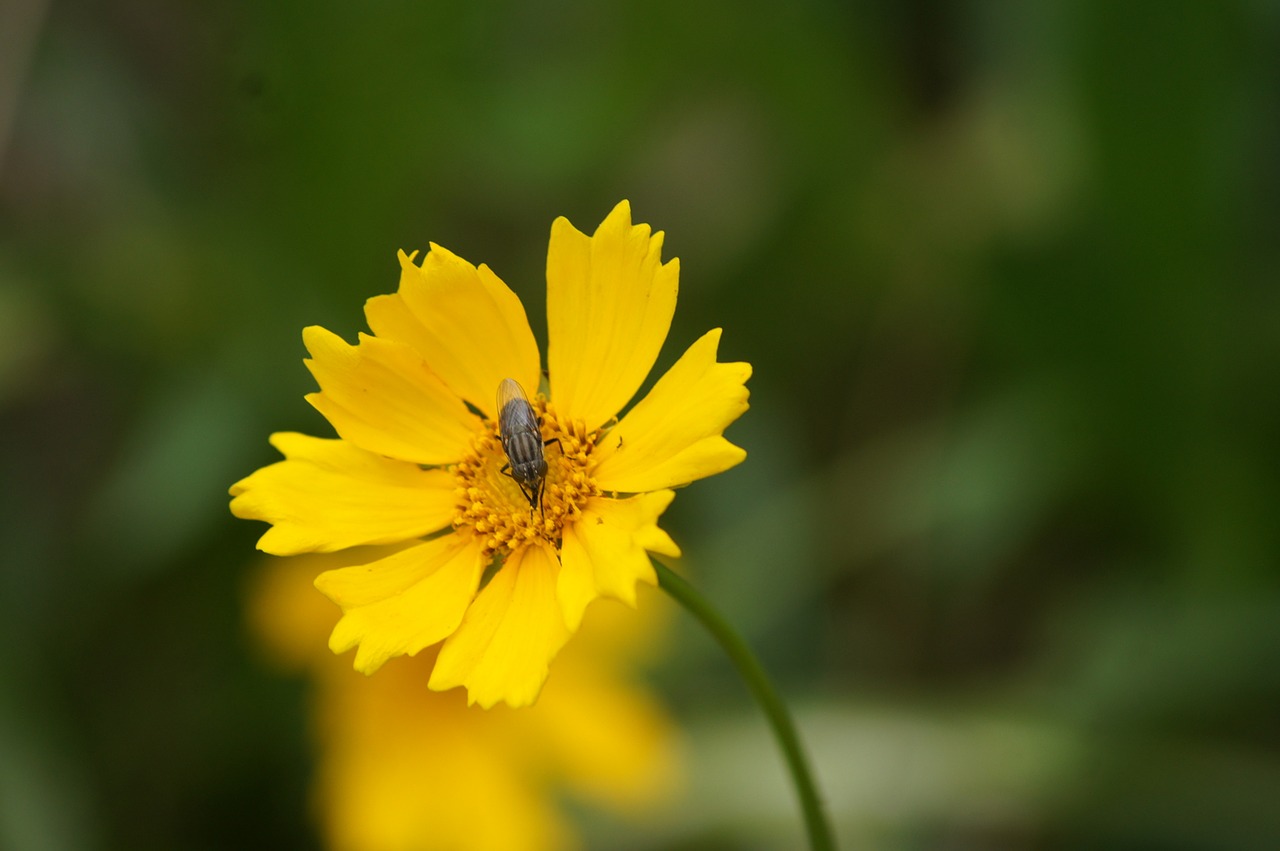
{"points": [[515, 414]]}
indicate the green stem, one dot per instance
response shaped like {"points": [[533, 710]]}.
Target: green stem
{"points": [[820, 838]]}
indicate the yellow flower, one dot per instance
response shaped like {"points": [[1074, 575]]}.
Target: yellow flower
{"points": [[419, 452], [398, 766]]}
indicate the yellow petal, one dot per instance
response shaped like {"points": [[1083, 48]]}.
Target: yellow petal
{"points": [[609, 306], [287, 616], [510, 634], [463, 321], [383, 397], [576, 584], [329, 495], [673, 435], [402, 603], [605, 552]]}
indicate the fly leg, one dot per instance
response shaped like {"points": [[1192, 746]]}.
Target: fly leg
{"points": [[531, 496]]}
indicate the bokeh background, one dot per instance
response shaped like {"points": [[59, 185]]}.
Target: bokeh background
{"points": [[1008, 275]]}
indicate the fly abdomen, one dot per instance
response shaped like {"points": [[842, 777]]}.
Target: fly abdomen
{"points": [[524, 451]]}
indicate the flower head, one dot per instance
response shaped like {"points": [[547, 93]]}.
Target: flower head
{"points": [[501, 578]]}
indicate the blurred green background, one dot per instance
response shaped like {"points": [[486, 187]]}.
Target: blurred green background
{"points": [[1007, 273]]}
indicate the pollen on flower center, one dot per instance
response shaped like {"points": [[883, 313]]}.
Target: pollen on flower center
{"points": [[491, 503]]}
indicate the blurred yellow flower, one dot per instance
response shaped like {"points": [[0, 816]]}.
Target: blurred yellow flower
{"points": [[419, 451], [403, 768]]}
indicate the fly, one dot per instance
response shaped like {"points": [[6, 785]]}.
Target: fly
{"points": [[521, 434]]}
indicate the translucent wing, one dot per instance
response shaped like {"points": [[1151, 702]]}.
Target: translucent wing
{"points": [[515, 414]]}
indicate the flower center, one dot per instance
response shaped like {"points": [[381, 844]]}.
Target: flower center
{"points": [[492, 503]]}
